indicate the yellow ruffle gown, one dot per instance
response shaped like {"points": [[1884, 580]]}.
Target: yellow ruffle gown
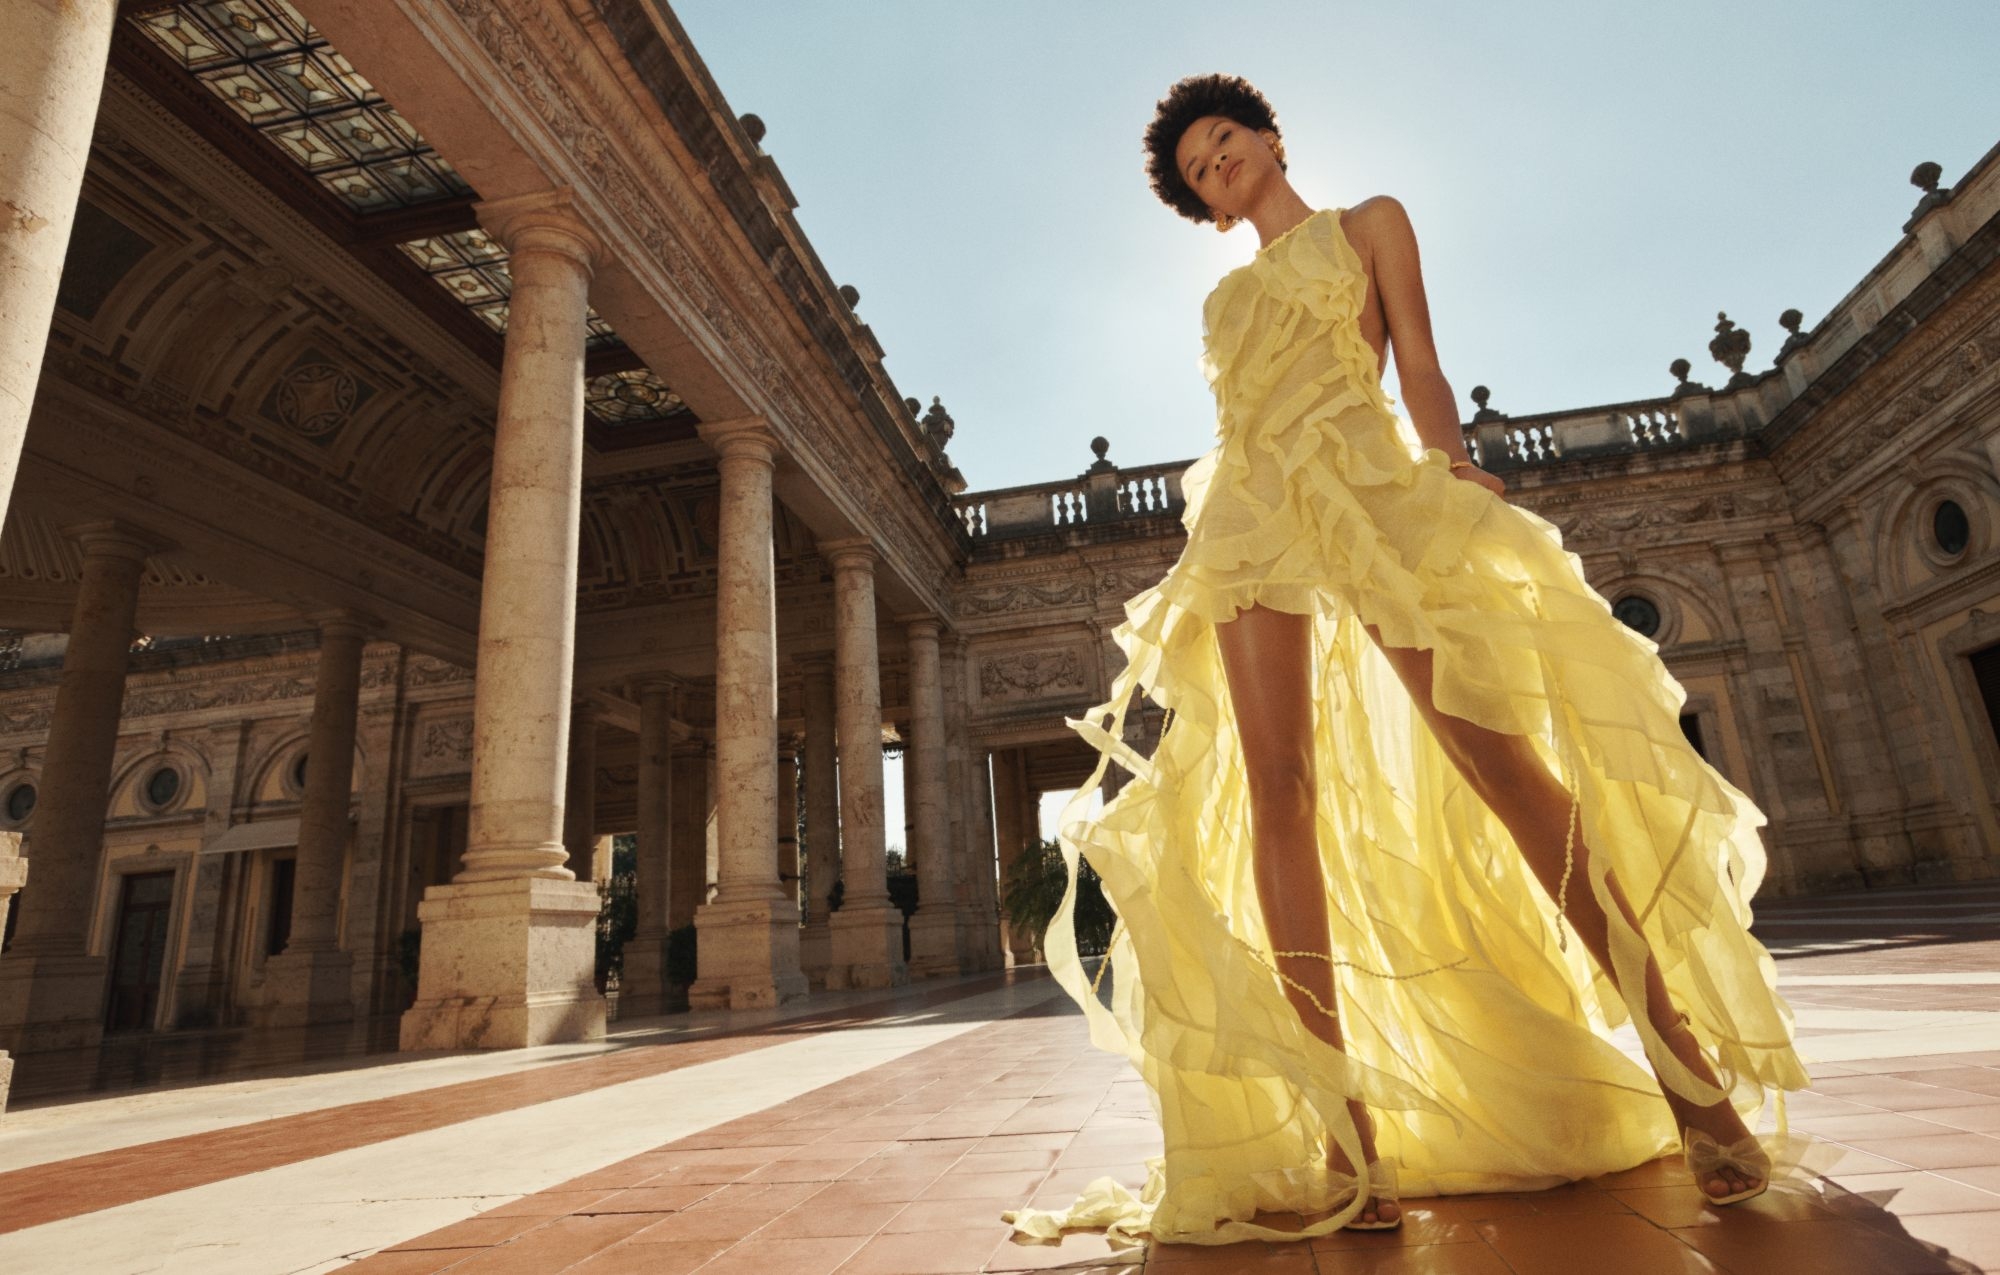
{"points": [[1482, 1041]]}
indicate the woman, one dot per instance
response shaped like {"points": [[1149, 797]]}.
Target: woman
{"points": [[1410, 755]]}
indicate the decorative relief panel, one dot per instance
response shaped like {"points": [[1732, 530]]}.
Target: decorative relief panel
{"points": [[1032, 674], [1945, 378], [315, 395], [1024, 597], [444, 747], [1663, 519]]}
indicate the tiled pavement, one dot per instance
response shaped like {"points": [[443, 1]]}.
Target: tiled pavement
{"points": [[887, 1133]]}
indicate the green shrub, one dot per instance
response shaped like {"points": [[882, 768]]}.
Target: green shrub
{"points": [[1035, 889]]}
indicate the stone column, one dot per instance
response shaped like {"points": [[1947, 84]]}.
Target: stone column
{"points": [[687, 865], [201, 983], [642, 988], [959, 761], [868, 928], [13, 875], [580, 790], [51, 987], [52, 63], [1012, 800], [509, 946], [934, 928], [788, 819], [983, 864], [370, 930], [748, 938], [822, 818], [310, 981]]}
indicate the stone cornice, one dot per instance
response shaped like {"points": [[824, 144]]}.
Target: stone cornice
{"points": [[577, 120]]}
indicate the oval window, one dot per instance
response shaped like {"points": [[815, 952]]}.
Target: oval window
{"points": [[20, 802], [1638, 614], [299, 772], [1951, 528], [162, 786]]}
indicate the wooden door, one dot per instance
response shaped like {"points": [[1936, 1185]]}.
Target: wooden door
{"points": [[139, 952]]}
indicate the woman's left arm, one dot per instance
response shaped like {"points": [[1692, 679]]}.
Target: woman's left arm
{"points": [[1399, 281]]}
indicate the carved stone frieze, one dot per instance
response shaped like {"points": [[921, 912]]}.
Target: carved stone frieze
{"points": [[1974, 355], [444, 747], [1025, 597], [428, 670], [1031, 674], [1661, 520]]}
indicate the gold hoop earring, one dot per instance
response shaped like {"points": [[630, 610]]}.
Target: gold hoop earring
{"points": [[1223, 222]]}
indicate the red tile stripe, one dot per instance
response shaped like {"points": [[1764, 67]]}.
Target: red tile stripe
{"points": [[69, 1188]]}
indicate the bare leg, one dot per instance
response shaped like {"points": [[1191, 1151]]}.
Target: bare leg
{"points": [[1266, 658], [1516, 785]]}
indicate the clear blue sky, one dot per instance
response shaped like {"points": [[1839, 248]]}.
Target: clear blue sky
{"points": [[1590, 183]]}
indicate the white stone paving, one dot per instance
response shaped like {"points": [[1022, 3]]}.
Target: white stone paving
{"points": [[319, 1214], [89, 1123]]}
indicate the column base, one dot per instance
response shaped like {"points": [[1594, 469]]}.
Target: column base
{"points": [[506, 964], [934, 944], [747, 955], [306, 989], [644, 987], [51, 1002], [867, 947], [971, 953], [816, 952]]}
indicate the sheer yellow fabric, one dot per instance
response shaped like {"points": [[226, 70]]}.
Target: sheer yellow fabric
{"points": [[1482, 1041]]}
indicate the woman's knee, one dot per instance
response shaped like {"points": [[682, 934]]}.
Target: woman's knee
{"points": [[1282, 784]]}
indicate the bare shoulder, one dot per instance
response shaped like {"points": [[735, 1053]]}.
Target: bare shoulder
{"points": [[1380, 218]]}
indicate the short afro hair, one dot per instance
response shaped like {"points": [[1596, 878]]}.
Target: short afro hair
{"points": [[1188, 100]]}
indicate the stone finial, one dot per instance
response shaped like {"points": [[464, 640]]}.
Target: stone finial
{"points": [[1680, 368], [1925, 177], [1099, 446], [937, 423], [1480, 394], [1790, 321], [915, 405], [753, 126], [1729, 347], [850, 294]]}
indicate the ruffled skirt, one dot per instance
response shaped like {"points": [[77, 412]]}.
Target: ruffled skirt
{"points": [[1483, 1044]]}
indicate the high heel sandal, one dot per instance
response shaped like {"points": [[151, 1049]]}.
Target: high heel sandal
{"points": [[1706, 1158], [1380, 1185]]}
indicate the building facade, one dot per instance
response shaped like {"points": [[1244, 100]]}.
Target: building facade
{"points": [[434, 447]]}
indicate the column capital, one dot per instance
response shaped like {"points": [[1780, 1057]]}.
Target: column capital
{"points": [[742, 437], [919, 625], [545, 221], [343, 622], [849, 553], [655, 684], [112, 538], [815, 663]]}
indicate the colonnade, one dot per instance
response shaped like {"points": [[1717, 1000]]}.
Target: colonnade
{"points": [[507, 943]]}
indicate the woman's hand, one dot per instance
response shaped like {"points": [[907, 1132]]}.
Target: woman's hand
{"points": [[1474, 474]]}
